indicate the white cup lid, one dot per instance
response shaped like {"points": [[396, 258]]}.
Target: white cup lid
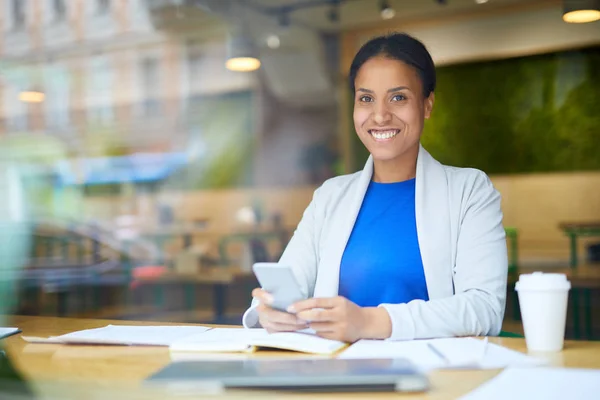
{"points": [[543, 281]]}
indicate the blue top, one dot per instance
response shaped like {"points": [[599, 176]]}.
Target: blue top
{"points": [[382, 260]]}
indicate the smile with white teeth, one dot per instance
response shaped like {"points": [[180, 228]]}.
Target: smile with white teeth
{"points": [[383, 135]]}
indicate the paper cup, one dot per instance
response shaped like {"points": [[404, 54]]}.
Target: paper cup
{"points": [[543, 300]]}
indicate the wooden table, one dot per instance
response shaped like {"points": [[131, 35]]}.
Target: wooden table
{"points": [[576, 229], [116, 372]]}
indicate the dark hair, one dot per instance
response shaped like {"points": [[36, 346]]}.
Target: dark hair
{"points": [[401, 47]]}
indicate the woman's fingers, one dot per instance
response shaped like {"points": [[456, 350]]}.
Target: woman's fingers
{"points": [[275, 327], [263, 296], [279, 317], [278, 320], [273, 320], [317, 315], [278, 327]]}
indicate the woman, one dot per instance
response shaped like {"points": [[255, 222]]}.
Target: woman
{"points": [[407, 248]]}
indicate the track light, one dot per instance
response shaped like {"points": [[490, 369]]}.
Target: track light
{"points": [[581, 11], [387, 12], [284, 19], [333, 15]]}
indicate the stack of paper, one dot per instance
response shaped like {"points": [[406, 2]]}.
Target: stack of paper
{"points": [[6, 332], [539, 383], [443, 353], [125, 335]]}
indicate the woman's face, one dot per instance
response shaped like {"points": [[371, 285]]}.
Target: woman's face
{"points": [[389, 107]]}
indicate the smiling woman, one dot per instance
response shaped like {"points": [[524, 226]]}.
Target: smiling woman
{"points": [[393, 84], [407, 248]]}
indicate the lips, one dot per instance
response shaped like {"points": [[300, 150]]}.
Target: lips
{"points": [[382, 135]]}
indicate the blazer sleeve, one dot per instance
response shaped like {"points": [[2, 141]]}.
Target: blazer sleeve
{"points": [[301, 254], [480, 275]]}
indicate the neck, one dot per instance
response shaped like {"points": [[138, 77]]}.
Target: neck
{"points": [[399, 169]]}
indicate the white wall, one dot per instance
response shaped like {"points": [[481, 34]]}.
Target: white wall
{"points": [[501, 36]]}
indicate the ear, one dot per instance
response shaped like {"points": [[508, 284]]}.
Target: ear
{"points": [[429, 105]]}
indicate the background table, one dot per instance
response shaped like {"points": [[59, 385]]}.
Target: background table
{"points": [[574, 230], [117, 372]]}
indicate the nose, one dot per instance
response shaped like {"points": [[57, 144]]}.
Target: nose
{"points": [[381, 114]]}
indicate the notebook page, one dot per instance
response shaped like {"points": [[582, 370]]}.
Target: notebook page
{"points": [[302, 342], [220, 340]]}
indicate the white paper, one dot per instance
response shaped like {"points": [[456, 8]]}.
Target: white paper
{"points": [[125, 335], [7, 331], [415, 351], [232, 340], [456, 352], [539, 383], [470, 352]]}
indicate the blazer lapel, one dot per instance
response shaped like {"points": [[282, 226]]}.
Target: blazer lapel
{"points": [[347, 209], [433, 225]]}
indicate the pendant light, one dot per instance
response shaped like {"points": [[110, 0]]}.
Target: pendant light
{"points": [[581, 11], [241, 54]]}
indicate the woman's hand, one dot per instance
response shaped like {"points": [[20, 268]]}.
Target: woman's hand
{"points": [[340, 319], [273, 320]]}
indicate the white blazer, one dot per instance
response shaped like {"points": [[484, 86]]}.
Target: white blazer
{"points": [[461, 238]]}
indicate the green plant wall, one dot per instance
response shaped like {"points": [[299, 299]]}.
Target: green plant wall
{"points": [[529, 114]]}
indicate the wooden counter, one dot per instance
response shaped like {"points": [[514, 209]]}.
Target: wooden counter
{"points": [[115, 372]]}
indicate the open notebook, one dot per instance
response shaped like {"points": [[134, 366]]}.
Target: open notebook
{"points": [[245, 340]]}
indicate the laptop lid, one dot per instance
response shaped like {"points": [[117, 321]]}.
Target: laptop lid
{"points": [[294, 374]]}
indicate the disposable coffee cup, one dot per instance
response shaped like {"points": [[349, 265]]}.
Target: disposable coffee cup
{"points": [[543, 300]]}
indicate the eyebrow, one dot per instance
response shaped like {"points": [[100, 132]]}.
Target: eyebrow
{"points": [[389, 90]]}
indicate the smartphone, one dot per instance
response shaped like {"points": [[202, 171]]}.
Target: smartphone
{"points": [[280, 282]]}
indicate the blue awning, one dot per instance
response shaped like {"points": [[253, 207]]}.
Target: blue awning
{"points": [[136, 168]]}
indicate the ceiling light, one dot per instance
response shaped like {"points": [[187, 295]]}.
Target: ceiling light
{"points": [[481, 1], [387, 12], [333, 15], [581, 11], [273, 41], [243, 64], [31, 97], [242, 56]]}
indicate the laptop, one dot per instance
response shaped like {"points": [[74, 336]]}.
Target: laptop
{"points": [[327, 374]]}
